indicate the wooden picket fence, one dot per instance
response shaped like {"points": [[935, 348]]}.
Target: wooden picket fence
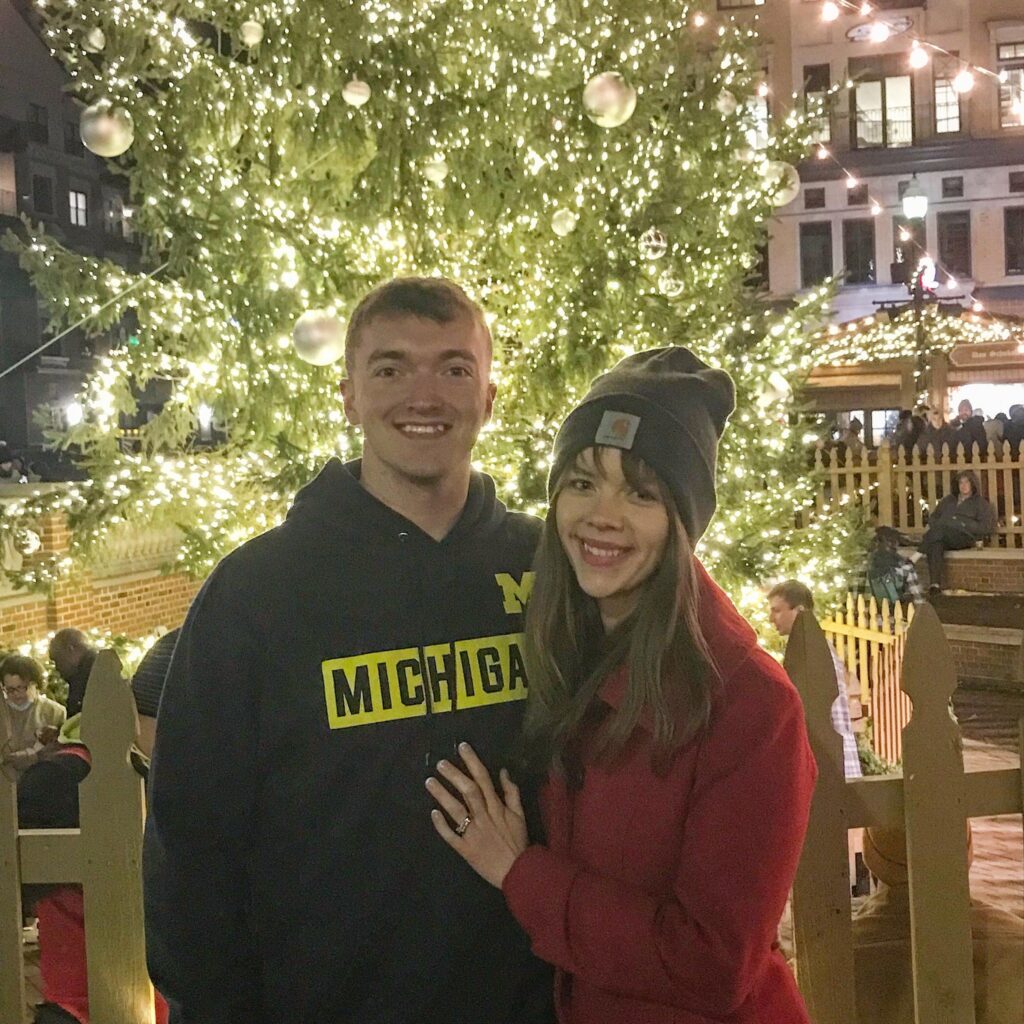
{"points": [[900, 491], [930, 800], [104, 856], [870, 640]]}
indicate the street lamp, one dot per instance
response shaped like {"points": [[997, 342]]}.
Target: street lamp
{"points": [[915, 208]]}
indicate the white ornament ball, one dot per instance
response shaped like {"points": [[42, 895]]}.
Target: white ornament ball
{"points": [[775, 389], [563, 222], [669, 286], [726, 103], [653, 244], [609, 99], [436, 170], [319, 337], [106, 130], [27, 542], [356, 93], [94, 40], [251, 33], [785, 177]]}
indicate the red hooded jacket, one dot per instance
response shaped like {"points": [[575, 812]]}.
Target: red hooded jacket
{"points": [[658, 895]]}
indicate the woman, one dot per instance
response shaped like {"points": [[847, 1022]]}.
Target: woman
{"points": [[679, 772], [34, 718], [936, 434], [959, 521]]}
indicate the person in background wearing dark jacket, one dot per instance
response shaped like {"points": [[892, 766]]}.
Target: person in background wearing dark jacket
{"points": [[958, 521], [679, 771], [936, 433], [969, 430], [74, 657], [290, 866], [908, 430]]}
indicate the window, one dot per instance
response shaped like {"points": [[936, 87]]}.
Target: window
{"points": [[814, 199], [1017, 181], [1014, 229], [955, 242], [909, 244], [757, 106], [72, 140], [859, 251], [78, 208], [817, 81], [1011, 84], [815, 253], [952, 188], [857, 196], [883, 104], [947, 99], [42, 193], [39, 116]]}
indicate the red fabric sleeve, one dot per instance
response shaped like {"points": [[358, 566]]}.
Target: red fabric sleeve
{"points": [[704, 946]]}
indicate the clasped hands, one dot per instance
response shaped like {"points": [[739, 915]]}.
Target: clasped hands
{"points": [[495, 834]]}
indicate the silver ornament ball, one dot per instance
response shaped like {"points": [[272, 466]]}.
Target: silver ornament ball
{"points": [[356, 93], [785, 179], [27, 542], [670, 286], [106, 130], [251, 33], [563, 222], [94, 40], [726, 103], [609, 99], [653, 244], [319, 337], [436, 170]]}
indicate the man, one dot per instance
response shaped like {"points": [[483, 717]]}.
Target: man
{"points": [[969, 429], [73, 656], [292, 872], [785, 601], [34, 718]]}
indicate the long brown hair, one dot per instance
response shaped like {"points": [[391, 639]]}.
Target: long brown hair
{"points": [[670, 670]]}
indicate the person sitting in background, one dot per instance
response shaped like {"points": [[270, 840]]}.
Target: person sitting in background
{"points": [[936, 433], [959, 521], [969, 430], [11, 469], [148, 685], [785, 601], [73, 656], [890, 576], [34, 718]]}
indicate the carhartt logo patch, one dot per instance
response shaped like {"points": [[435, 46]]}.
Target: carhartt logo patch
{"points": [[617, 429]]}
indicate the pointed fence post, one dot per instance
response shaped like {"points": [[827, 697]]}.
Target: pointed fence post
{"points": [[112, 812], [12, 974], [821, 891], [935, 812]]}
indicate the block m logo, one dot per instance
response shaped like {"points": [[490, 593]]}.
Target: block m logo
{"points": [[514, 593]]}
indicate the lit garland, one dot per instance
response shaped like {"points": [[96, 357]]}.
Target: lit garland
{"points": [[268, 194], [879, 337]]}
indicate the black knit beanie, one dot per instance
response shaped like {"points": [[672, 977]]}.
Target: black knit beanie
{"points": [[668, 408]]}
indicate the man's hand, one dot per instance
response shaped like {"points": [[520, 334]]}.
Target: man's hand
{"points": [[489, 832]]}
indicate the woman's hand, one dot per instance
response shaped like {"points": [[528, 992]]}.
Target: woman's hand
{"points": [[490, 832]]}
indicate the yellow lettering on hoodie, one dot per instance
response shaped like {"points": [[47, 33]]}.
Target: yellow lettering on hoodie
{"points": [[387, 686]]}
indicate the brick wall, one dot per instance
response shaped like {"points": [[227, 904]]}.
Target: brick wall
{"points": [[997, 575], [133, 604], [987, 664]]}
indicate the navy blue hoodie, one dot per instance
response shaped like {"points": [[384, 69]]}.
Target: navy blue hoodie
{"points": [[292, 873]]}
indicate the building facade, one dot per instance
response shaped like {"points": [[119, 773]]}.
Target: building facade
{"points": [[47, 175], [891, 120]]}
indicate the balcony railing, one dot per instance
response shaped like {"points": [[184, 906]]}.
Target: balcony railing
{"points": [[892, 128]]}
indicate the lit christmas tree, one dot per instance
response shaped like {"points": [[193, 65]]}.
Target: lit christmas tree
{"points": [[598, 175]]}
